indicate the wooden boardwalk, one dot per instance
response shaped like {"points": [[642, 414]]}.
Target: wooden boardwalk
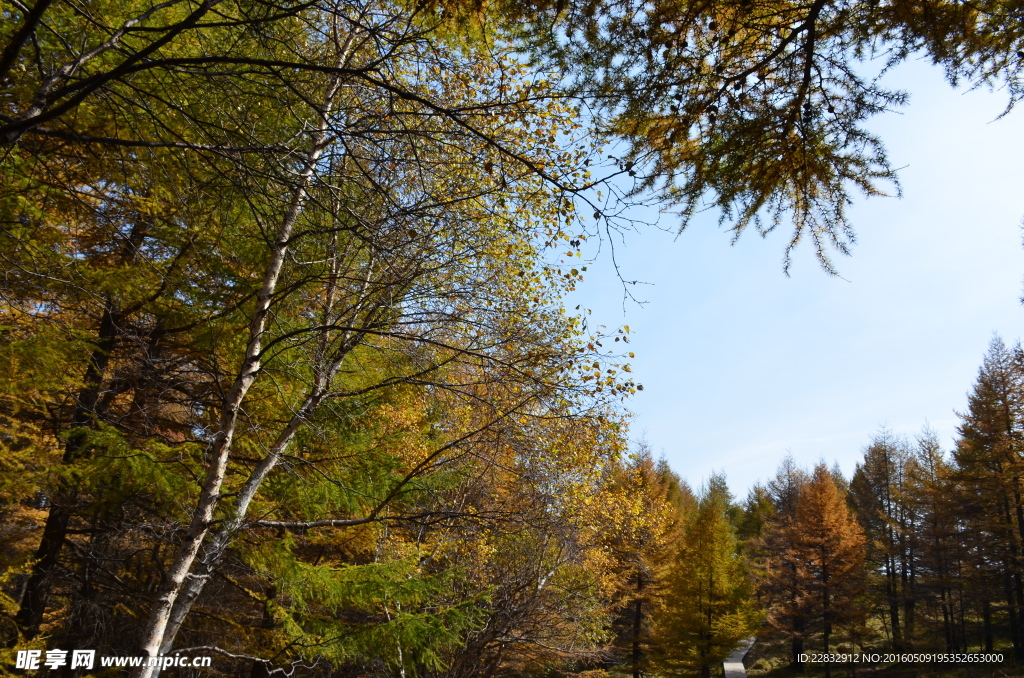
{"points": [[733, 664]]}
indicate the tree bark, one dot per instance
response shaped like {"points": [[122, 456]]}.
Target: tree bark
{"points": [[638, 617], [178, 574], [892, 593], [87, 408], [986, 616], [798, 645]]}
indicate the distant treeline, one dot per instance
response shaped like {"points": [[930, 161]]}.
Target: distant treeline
{"points": [[920, 551]]}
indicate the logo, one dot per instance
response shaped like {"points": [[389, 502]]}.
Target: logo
{"points": [[55, 659]]}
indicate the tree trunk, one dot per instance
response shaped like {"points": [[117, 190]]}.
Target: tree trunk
{"points": [[1018, 575], [1011, 583], [798, 645], [986, 616], [178, 573], [217, 546], [638, 617], [892, 594], [909, 602], [947, 625], [826, 618], [87, 408], [62, 504]]}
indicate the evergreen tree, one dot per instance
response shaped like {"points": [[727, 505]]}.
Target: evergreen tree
{"points": [[757, 510]]}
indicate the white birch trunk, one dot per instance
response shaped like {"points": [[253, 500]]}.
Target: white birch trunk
{"points": [[178, 573]]}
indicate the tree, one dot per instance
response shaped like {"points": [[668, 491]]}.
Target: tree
{"points": [[757, 511], [989, 472], [362, 259], [707, 606], [642, 543], [831, 546], [781, 586], [884, 495], [944, 547], [814, 564], [760, 104]]}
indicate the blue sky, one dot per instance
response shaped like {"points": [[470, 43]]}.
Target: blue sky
{"points": [[741, 364]]}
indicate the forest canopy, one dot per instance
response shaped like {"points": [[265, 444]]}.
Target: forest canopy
{"points": [[287, 374]]}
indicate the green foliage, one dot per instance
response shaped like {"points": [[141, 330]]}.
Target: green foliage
{"points": [[391, 611], [707, 605]]}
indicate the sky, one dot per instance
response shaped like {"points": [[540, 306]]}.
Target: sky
{"points": [[742, 365]]}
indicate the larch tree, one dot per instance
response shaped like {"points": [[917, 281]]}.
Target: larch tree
{"points": [[943, 547], [883, 491], [944, 542], [642, 545], [829, 544], [781, 583], [814, 564], [757, 511], [989, 472], [707, 605], [758, 107], [924, 565]]}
